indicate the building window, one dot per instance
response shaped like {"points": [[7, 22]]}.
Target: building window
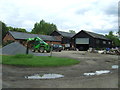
{"points": [[104, 42], [97, 41], [109, 42]]}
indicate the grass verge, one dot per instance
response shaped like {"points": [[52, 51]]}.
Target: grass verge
{"points": [[37, 61]]}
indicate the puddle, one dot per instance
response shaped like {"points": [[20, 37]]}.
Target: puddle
{"points": [[89, 74], [115, 67], [44, 76], [97, 73], [101, 52], [102, 72]]}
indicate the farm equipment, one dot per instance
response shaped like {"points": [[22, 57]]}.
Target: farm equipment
{"points": [[38, 44]]}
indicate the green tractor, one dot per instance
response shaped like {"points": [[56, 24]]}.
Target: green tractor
{"points": [[39, 45]]}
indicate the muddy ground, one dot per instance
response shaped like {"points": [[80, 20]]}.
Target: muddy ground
{"points": [[13, 76]]}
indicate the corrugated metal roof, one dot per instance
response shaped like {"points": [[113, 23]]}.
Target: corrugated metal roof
{"points": [[95, 35], [21, 35], [66, 34]]}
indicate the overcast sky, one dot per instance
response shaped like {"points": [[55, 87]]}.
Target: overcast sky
{"points": [[100, 16]]}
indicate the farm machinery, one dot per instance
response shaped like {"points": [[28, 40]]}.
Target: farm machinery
{"points": [[37, 44]]}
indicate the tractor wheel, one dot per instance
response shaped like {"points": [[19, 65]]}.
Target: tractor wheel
{"points": [[41, 49], [59, 50], [48, 51]]}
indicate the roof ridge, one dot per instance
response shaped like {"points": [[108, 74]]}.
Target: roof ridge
{"points": [[96, 35], [17, 31], [93, 33], [26, 33]]}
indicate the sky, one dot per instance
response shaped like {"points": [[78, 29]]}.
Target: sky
{"points": [[99, 16]]}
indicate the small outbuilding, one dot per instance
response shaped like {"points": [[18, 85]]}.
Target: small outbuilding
{"points": [[84, 40]]}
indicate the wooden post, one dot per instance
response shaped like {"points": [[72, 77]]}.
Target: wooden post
{"points": [[27, 49], [51, 49]]}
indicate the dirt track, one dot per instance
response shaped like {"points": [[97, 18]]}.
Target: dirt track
{"points": [[13, 77]]}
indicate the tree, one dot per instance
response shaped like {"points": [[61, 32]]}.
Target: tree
{"points": [[16, 29], [72, 31], [4, 29], [119, 31], [43, 28], [115, 39]]}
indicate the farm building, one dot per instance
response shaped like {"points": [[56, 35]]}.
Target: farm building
{"points": [[83, 40], [21, 37], [65, 37]]}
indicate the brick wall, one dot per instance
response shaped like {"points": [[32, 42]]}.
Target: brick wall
{"points": [[58, 37], [53, 42], [8, 37]]}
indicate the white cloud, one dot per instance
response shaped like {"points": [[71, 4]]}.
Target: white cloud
{"points": [[94, 15]]}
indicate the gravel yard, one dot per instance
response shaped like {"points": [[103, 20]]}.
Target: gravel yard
{"points": [[14, 48], [14, 76]]}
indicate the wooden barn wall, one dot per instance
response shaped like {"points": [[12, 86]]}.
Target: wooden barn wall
{"points": [[66, 40], [84, 35], [55, 34], [92, 41]]}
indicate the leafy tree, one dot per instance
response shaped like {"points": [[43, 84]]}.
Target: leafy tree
{"points": [[16, 29], [43, 28], [4, 29], [115, 39], [72, 31], [119, 31]]}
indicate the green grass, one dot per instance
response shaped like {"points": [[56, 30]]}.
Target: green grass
{"points": [[0, 59], [37, 61]]}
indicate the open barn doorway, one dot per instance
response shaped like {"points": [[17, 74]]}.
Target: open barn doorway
{"points": [[82, 44], [82, 47]]}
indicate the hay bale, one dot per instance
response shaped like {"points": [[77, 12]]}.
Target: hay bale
{"points": [[14, 48]]}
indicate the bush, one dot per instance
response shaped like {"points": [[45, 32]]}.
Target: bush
{"points": [[97, 48], [100, 48], [23, 56]]}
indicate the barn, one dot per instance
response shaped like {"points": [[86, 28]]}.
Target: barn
{"points": [[83, 40], [65, 37], [21, 37]]}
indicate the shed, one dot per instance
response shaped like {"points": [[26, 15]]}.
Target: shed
{"points": [[83, 40]]}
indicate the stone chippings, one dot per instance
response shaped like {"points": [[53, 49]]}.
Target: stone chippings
{"points": [[14, 48]]}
